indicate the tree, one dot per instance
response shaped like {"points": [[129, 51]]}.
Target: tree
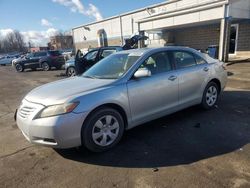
{"points": [[12, 42]]}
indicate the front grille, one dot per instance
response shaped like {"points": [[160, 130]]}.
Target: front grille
{"points": [[25, 111]]}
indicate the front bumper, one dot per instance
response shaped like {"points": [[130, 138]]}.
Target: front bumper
{"points": [[63, 131]]}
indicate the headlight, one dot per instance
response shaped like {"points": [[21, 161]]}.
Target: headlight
{"points": [[57, 110]]}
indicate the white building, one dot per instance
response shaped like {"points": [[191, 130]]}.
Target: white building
{"points": [[194, 23]]}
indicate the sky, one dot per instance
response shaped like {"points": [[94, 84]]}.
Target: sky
{"points": [[37, 20]]}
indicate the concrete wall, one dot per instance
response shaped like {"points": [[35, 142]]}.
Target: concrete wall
{"points": [[94, 43], [115, 28]]}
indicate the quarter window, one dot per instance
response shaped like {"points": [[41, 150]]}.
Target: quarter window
{"points": [[158, 63], [200, 60], [183, 59]]}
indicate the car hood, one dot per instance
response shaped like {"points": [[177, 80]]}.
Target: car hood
{"points": [[19, 60], [60, 91]]}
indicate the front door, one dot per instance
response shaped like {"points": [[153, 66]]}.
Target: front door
{"points": [[152, 97]]}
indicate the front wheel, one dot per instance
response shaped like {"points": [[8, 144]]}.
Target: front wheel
{"points": [[45, 66], [102, 130], [19, 67], [210, 96], [71, 72]]}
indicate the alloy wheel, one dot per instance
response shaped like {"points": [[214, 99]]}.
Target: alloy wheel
{"points": [[19, 67], [105, 131], [211, 95], [71, 72], [45, 66]]}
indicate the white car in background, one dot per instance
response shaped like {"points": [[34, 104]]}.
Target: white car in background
{"points": [[7, 59]]}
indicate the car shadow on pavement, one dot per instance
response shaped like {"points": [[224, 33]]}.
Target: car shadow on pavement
{"points": [[181, 138]]}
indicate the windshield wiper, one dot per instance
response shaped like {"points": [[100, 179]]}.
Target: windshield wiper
{"points": [[92, 77]]}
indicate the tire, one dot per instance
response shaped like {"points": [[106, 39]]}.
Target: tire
{"points": [[210, 96], [19, 67], [33, 69], [71, 71], [45, 66], [102, 130]]}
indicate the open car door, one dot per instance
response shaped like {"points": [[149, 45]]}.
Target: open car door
{"points": [[78, 62]]}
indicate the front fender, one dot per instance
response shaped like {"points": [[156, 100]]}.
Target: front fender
{"points": [[109, 95]]}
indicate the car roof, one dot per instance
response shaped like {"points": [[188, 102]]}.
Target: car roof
{"points": [[141, 51]]}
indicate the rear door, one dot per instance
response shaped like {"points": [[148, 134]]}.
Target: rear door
{"points": [[154, 96], [192, 72], [37, 57], [29, 60]]}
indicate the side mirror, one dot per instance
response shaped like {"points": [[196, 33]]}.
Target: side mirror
{"points": [[142, 72]]}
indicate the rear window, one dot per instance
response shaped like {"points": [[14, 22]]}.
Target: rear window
{"points": [[54, 53]]}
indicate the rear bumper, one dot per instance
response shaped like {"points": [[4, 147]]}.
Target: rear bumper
{"points": [[223, 80]]}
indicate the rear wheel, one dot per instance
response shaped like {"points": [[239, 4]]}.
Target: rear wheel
{"points": [[45, 66], [102, 130], [71, 71], [210, 96], [19, 67]]}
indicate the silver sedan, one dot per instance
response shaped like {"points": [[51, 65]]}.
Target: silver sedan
{"points": [[120, 92]]}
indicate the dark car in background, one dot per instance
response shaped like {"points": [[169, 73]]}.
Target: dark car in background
{"points": [[43, 59], [86, 61]]}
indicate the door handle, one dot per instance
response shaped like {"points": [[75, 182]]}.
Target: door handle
{"points": [[206, 69], [172, 78]]}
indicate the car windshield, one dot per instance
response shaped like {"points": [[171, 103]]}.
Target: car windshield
{"points": [[112, 67]]}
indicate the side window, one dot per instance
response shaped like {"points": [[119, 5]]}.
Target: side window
{"points": [[91, 55], [43, 54], [158, 63], [36, 54], [183, 59], [199, 60], [39, 54], [107, 52]]}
